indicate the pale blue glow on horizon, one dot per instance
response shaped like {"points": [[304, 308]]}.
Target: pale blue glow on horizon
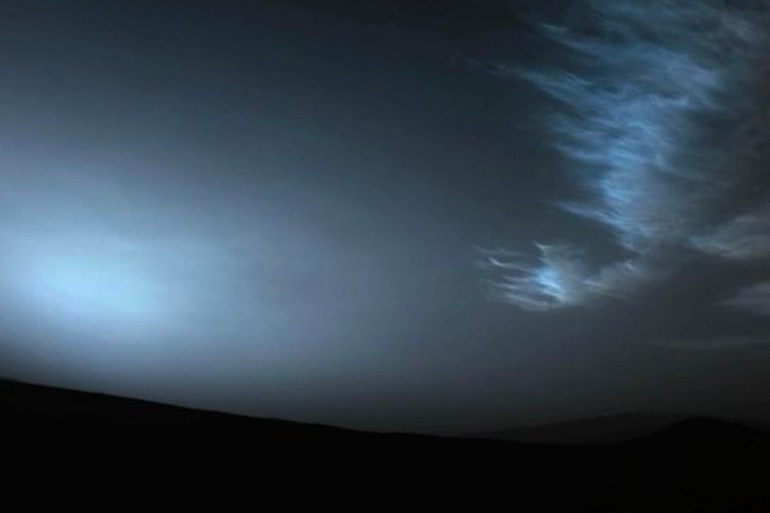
{"points": [[99, 290], [84, 282]]}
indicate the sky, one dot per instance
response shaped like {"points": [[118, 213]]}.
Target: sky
{"points": [[430, 216]]}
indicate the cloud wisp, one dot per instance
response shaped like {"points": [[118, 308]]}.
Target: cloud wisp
{"points": [[658, 111], [754, 299], [757, 344], [561, 277]]}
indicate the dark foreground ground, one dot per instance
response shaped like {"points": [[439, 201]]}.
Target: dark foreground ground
{"points": [[695, 465]]}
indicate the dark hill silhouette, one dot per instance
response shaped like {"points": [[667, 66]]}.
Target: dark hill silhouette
{"points": [[697, 465], [26, 405]]}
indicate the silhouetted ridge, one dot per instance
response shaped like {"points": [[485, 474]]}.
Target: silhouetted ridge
{"points": [[701, 464], [38, 405]]}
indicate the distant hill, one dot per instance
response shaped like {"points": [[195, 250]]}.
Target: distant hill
{"points": [[595, 430], [703, 432]]}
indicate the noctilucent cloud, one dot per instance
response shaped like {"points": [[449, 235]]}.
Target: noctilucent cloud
{"points": [[662, 118], [442, 217]]}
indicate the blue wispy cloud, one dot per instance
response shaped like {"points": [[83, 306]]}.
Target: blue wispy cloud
{"points": [[754, 299], [657, 110]]}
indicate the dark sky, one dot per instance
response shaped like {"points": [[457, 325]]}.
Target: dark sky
{"points": [[432, 216]]}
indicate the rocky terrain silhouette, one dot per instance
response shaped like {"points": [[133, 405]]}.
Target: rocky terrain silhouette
{"points": [[695, 465]]}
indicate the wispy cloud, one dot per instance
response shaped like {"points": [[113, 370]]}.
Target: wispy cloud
{"points": [[561, 277], [754, 299], [754, 344], [558, 279], [653, 111], [745, 237]]}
